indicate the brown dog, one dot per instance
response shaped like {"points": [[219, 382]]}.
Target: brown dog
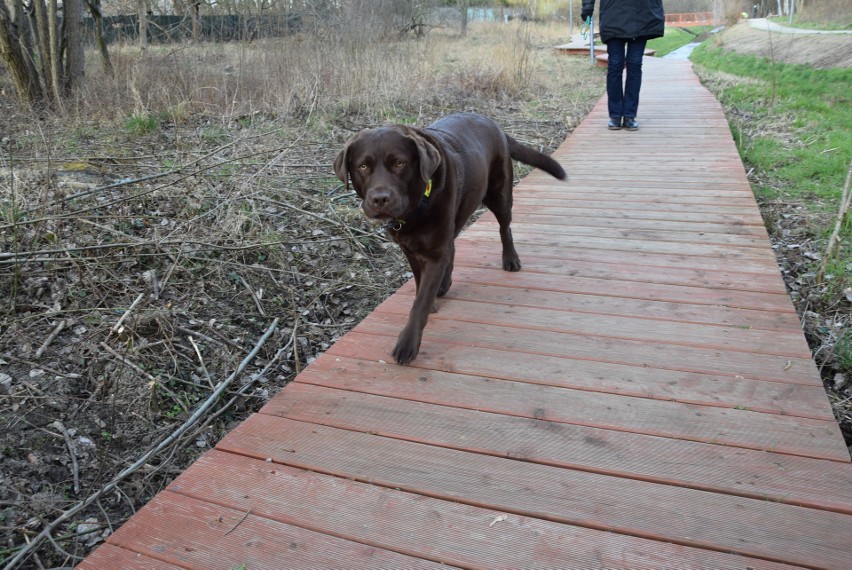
{"points": [[426, 183]]}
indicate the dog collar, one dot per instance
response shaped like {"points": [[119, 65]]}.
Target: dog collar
{"points": [[397, 224]]}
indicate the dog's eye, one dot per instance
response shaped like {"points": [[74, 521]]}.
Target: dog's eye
{"points": [[399, 163], [362, 168]]}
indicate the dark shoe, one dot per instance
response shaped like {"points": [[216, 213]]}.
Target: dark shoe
{"points": [[614, 124], [630, 124]]}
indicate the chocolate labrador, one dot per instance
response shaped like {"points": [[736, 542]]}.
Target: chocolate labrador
{"points": [[425, 184]]}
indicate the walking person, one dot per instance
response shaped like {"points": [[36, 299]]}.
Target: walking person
{"points": [[625, 26]]}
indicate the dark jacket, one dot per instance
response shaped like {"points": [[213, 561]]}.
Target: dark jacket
{"points": [[628, 19]]}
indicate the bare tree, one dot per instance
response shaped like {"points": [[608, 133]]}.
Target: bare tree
{"points": [[195, 5], [57, 49], [142, 14], [16, 59], [75, 60], [97, 17], [463, 6]]}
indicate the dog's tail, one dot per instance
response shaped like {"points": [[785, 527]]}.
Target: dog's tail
{"points": [[525, 154]]}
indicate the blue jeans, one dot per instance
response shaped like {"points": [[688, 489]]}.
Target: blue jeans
{"points": [[624, 101]]}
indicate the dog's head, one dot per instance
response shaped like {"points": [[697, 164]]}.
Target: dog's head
{"points": [[390, 168]]}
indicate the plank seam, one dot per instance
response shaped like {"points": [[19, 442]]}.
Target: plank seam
{"points": [[619, 362], [720, 489]]}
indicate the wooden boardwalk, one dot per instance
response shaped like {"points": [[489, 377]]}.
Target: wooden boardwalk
{"points": [[640, 395]]}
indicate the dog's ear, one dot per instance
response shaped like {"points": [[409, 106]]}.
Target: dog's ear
{"points": [[340, 167], [430, 158]]}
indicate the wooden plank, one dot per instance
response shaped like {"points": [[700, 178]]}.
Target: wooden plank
{"points": [[636, 187], [600, 305], [109, 557], [545, 219], [532, 344], [540, 259], [560, 318], [705, 271], [761, 529], [195, 533], [625, 232], [432, 413], [660, 192], [654, 244], [806, 437], [648, 210], [561, 205], [552, 277], [446, 531], [737, 392]]}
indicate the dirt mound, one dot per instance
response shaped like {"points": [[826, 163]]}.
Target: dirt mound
{"points": [[819, 51]]}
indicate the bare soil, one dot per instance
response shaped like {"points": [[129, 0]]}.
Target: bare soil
{"points": [[820, 51]]}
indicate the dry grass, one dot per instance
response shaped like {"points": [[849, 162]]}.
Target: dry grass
{"points": [[305, 74], [836, 14], [152, 230]]}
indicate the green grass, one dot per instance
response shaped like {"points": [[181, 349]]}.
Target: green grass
{"points": [[843, 350], [675, 38], [141, 124], [799, 121], [793, 127]]}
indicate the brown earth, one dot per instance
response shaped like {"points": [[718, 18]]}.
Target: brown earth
{"points": [[821, 51]]}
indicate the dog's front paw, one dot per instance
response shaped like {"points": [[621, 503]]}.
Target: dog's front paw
{"points": [[407, 347], [511, 263]]}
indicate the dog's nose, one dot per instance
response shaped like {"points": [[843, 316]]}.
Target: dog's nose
{"points": [[380, 198]]}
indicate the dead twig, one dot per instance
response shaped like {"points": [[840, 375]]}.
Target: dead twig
{"points": [[42, 367], [201, 360], [254, 296], [192, 333], [21, 256], [50, 339], [75, 468], [153, 381], [834, 241], [127, 362], [140, 194], [238, 522], [240, 393], [48, 529], [294, 341], [117, 327]]}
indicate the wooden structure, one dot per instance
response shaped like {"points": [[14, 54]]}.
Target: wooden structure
{"points": [[640, 395], [580, 45], [689, 19]]}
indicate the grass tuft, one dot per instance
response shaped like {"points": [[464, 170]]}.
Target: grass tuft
{"points": [[141, 124]]}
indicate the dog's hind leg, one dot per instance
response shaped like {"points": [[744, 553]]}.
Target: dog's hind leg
{"points": [[498, 199]]}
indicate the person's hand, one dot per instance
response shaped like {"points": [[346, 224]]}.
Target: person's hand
{"points": [[586, 14]]}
